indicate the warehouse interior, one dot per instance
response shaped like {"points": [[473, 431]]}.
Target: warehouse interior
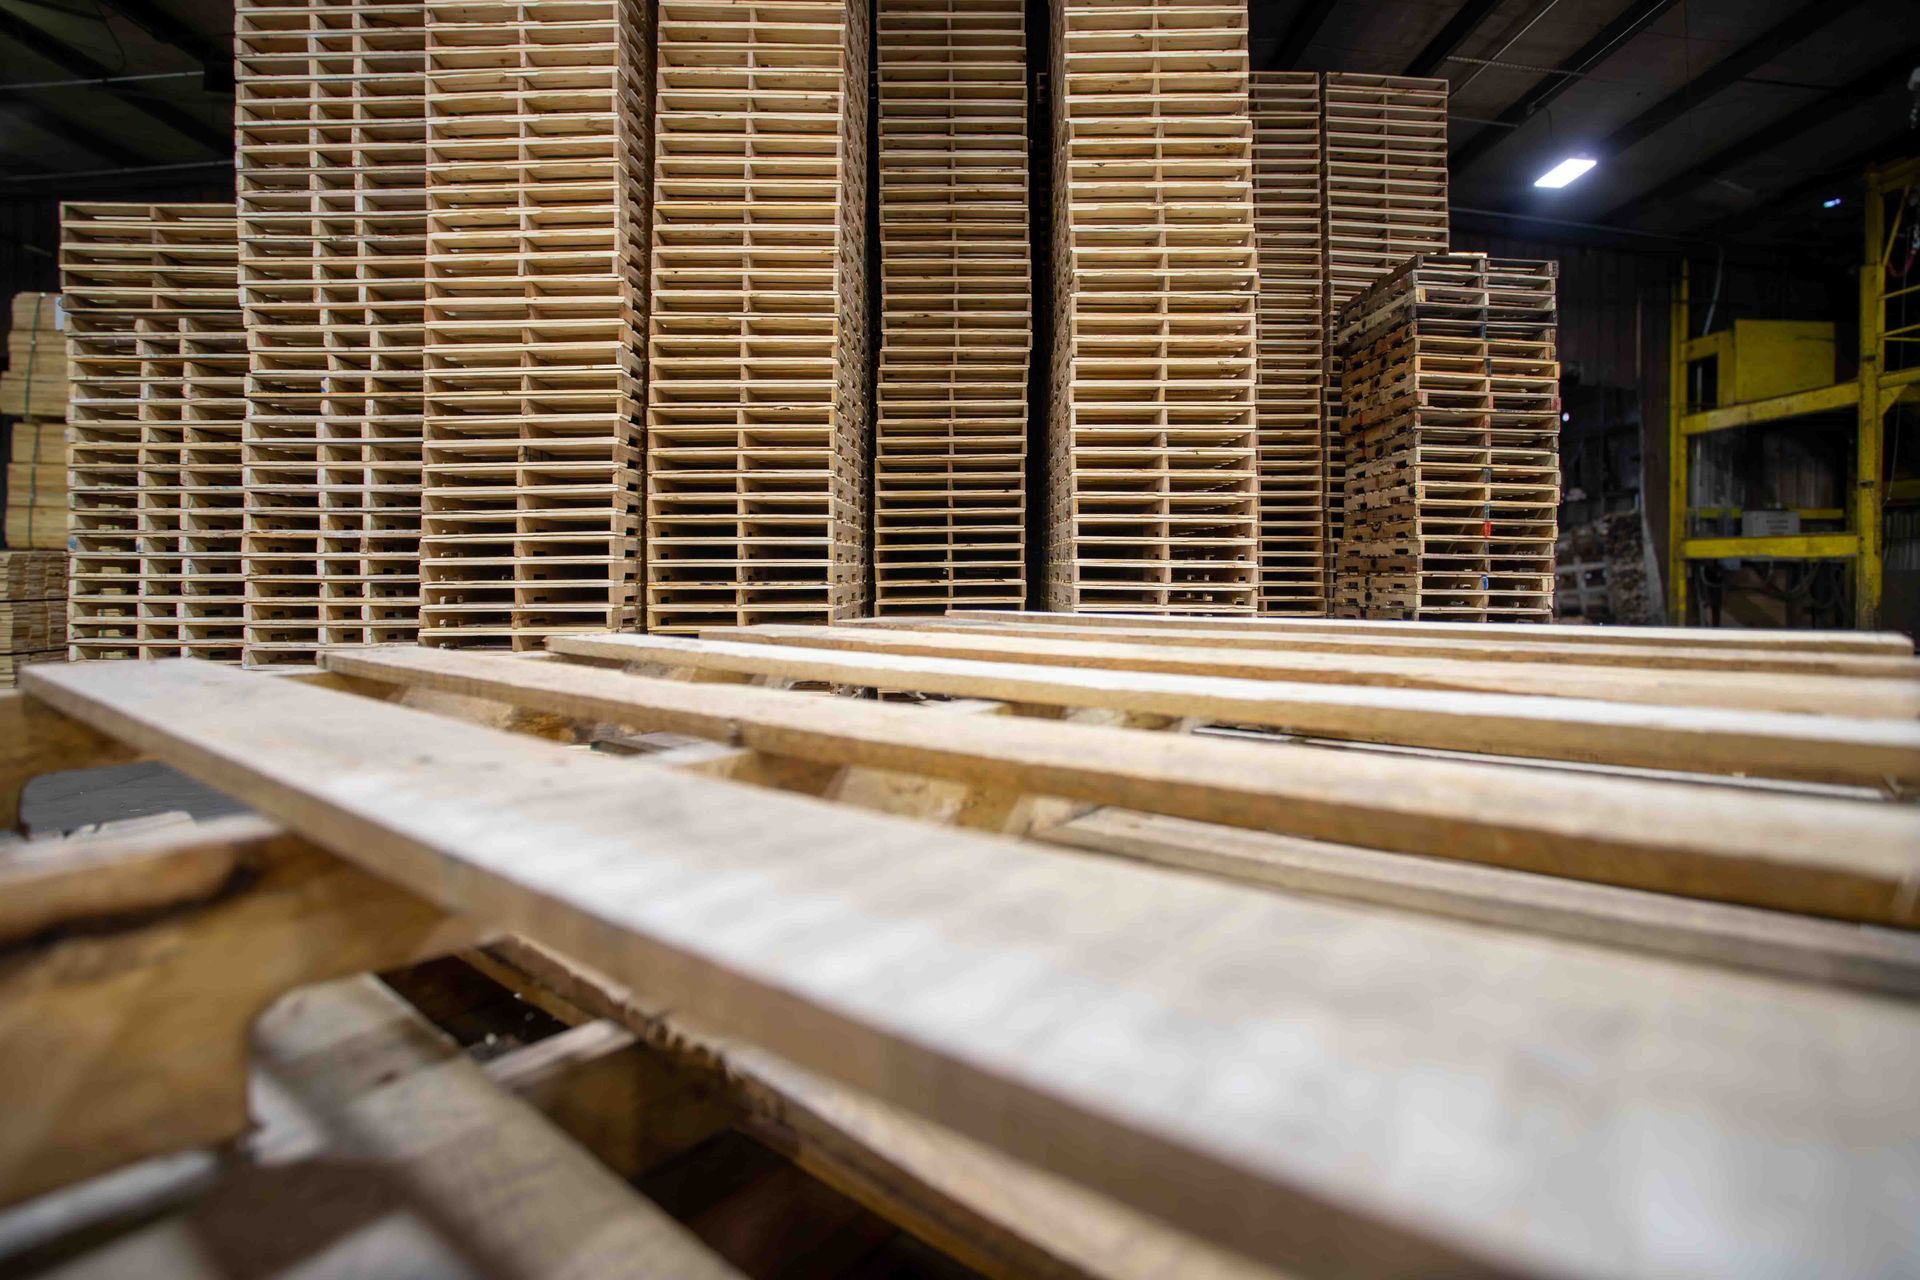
{"points": [[895, 639]]}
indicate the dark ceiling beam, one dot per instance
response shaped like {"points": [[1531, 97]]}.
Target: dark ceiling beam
{"points": [[1464, 22], [1843, 179], [1293, 43], [1608, 41], [73, 133], [85, 67], [216, 62], [1841, 99], [1724, 74]]}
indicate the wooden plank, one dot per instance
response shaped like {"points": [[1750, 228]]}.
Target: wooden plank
{"points": [[1885, 642], [1824, 857], [1832, 695], [1657, 657], [1142, 1033], [1762, 744], [1718, 933], [48, 883], [386, 1151], [34, 741]]}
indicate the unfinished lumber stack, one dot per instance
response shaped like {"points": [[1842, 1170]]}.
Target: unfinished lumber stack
{"points": [[538, 153], [956, 306], [157, 362], [1384, 160], [757, 449], [1288, 196], [33, 610], [33, 390], [1151, 430], [330, 137], [1450, 420]]}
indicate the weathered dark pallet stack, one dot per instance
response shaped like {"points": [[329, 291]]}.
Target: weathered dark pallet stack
{"points": [[330, 125], [537, 164], [1152, 432], [1288, 226], [956, 327], [1384, 161], [1450, 424], [33, 610], [757, 453], [157, 363], [33, 390]]}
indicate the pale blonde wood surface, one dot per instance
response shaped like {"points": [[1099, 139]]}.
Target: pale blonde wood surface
{"points": [[1850, 750], [1831, 857], [1308, 1083]]}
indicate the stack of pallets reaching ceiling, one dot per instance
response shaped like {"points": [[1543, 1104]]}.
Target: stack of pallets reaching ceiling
{"points": [[757, 451], [956, 328], [157, 357]]}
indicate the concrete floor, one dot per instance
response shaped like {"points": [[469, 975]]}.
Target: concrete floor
{"points": [[61, 802]]}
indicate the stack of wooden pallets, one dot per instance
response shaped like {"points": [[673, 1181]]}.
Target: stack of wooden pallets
{"points": [[757, 440], [33, 390], [330, 135], [956, 329], [157, 362], [1288, 225], [538, 155], [1384, 157], [33, 610], [1450, 421], [1152, 429], [1423, 949]]}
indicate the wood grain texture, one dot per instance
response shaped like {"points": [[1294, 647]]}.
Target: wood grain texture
{"points": [[1311, 1084]]}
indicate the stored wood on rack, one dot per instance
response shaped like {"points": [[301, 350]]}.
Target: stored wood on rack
{"points": [[1881, 698], [538, 159], [330, 129], [147, 1015], [33, 610], [877, 952], [157, 355], [1817, 856], [956, 329], [1152, 437], [757, 449]]}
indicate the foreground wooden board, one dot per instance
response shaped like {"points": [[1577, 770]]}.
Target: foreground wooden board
{"points": [[1827, 695], [1831, 857], [386, 1152], [1885, 642], [1309, 1084], [1835, 749], [1657, 657]]}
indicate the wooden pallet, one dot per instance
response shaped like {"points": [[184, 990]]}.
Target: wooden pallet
{"points": [[330, 132], [1288, 201], [157, 358], [1152, 435], [1450, 423], [33, 610], [757, 453], [956, 330], [961, 945], [538, 162], [1384, 157]]}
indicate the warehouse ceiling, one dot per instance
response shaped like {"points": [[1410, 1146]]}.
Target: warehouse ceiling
{"points": [[1712, 120]]}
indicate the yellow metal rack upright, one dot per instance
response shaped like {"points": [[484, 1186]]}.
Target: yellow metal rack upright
{"points": [[1874, 391]]}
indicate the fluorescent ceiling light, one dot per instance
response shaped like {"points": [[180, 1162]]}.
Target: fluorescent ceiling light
{"points": [[1564, 172]]}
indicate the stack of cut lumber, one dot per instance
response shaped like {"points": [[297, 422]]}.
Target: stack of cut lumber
{"points": [[1288, 225], [956, 301], [1450, 422], [1384, 157], [757, 450], [33, 389], [330, 134], [157, 362], [33, 610], [1151, 432], [538, 158]]}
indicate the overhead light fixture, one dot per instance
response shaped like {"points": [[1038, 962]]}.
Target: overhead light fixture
{"points": [[1832, 203], [1564, 172]]}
